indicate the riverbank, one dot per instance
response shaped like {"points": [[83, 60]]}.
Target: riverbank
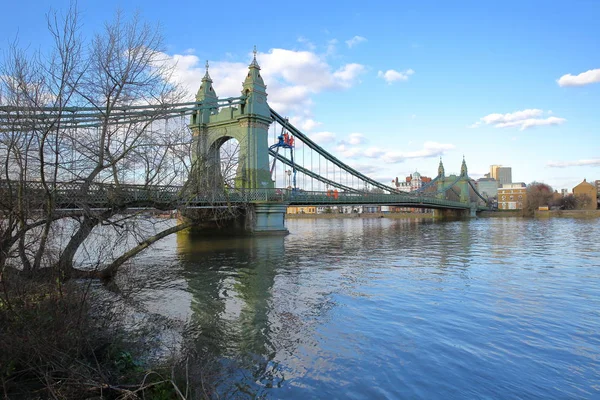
{"points": [[482, 214], [568, 214], [542, 214], [360, 215]]}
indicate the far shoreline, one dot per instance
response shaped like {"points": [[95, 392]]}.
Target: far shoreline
{"points": [[483, 214]]}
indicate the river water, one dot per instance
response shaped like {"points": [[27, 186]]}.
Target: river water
{"points": [[381, 308]]}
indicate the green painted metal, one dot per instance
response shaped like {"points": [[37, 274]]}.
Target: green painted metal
{"points": [[312, 145], [213, 121], [248, 124], [70, 195], [268, 219], [23, 118], [311, 174]]}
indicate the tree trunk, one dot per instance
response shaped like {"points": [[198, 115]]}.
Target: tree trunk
{"points": [[64, 266], [109, 272]]}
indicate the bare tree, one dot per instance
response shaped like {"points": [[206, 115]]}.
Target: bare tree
{"points": [[582, 201], [538, 194], [123, 67]]}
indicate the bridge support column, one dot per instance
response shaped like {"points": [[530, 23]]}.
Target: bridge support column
{"points": [[266, 219], [473, 210], [450, 214]]}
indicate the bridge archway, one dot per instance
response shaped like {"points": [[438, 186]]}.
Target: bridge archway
{"points": [[248, 124], [230, 160]]}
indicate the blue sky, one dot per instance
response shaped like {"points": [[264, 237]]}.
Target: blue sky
{"points": [[389, 87]]}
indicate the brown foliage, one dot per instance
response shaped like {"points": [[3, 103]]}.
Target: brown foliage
{"points": [[538, 194]]}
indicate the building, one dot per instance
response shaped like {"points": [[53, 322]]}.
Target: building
{"points": [[301, 210], [515, 185], [502, 174], [487, 187], [512, 196], [586, 189], [412, 182]]}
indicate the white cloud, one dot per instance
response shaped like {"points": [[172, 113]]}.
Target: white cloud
{"points": [[356, 138], [430, 149], [348, 152], [307, 69], [304, 124], [584, 78], [519, 119], [578, 163], [374, 152], [369, 170], [292, 77], [348, 74], [322, 137], [307, 43], [355, 40], [392, 75], [353, 139]]}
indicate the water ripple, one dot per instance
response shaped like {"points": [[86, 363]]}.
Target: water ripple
{"points": [[362, 309]]}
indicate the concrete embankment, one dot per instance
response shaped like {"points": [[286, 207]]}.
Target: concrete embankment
{"points": [[500, 214], [542, 214], [568, 214], [362, 215], [483, 214]]}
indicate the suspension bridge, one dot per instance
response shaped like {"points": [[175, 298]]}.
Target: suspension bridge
{"points": [[272, 165]]}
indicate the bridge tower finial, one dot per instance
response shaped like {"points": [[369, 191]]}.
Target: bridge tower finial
{"points": [[255, 90], [206, 90], [254, 63], [207, 95]]}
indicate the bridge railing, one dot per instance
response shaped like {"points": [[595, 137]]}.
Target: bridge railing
{"points": [[402, 199], [72, 194]]}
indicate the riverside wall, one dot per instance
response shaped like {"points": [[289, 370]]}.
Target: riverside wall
{"points": [[483, 214], [542, 214], [361, 215]]}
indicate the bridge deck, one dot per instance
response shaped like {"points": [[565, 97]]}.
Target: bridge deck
{"points": [[71, 195]]}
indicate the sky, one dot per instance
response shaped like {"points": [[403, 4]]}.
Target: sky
{"points": [[390, 87]]}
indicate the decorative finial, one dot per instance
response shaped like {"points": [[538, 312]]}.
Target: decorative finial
{"points": [[206, 75], [254, 62]]}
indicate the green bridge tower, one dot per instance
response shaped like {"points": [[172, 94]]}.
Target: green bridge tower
{"points": [[248, 123]]}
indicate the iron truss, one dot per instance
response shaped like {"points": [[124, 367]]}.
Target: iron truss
{"points": [[14, 119], [77, 195], [30, 118]]}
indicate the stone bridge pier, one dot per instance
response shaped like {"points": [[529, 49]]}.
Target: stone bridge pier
{"points": [[249, 124], [258, 219], [453, 214]]}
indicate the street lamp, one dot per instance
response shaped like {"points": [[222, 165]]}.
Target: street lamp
{"points": [[289, 174]]}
